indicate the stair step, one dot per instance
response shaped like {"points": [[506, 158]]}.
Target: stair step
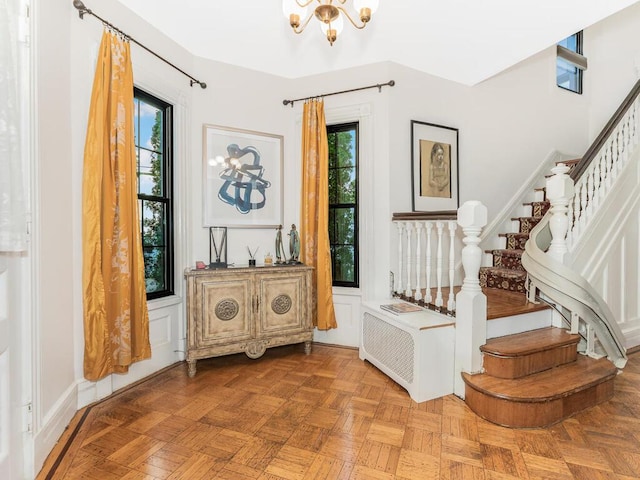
{"points": [[538, 209], [502, 303], [503, 278], [515, 240], [507, 258], [515, 356], [543, 398], [527, 223]]}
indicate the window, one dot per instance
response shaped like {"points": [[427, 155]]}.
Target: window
{"points": [[153, 142], [570, 63], [343, 203]]}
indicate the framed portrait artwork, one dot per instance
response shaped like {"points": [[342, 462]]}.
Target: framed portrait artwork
{"points": [[243, 178], [434, 167]]}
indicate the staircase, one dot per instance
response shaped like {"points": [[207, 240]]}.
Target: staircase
{"points": [[507, 272], [536, 378]]}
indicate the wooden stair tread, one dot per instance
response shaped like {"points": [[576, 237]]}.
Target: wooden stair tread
{"points": [[526, 343], [545, 386], [505, 272], [514, 234], [503, 303], [507, 252]]}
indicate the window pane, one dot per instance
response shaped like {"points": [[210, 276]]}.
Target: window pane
{"points": [[345, 149], [153, 226], [567, 75], [344, 226], [149, 173], [346, 179], [343, 263], [154, 268]]}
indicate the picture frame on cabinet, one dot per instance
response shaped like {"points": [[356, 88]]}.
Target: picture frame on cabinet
{"points": [[434, 167], [242, 178]]}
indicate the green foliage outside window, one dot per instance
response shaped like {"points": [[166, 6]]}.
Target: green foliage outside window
{"points": [[343, 203]]}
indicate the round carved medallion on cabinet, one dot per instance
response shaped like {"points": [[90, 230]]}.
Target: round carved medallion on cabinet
{"points": [[281, 304], [227, 309]]}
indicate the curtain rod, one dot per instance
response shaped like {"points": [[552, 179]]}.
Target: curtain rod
{"points": [[379, 86], [81, 12]]}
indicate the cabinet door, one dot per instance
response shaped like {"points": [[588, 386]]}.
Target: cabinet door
{"points": [[225, 310], [282, 297]]}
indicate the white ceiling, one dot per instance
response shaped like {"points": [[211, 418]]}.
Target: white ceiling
{"points": [[466, 41]]}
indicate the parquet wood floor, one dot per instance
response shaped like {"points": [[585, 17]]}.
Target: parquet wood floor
{"points": [[331, 416]]}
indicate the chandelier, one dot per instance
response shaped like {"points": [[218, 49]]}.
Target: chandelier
{"points": [[330, 14]]}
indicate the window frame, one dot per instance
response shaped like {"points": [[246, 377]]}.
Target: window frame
{"points": [[337, 128], [167, 188]]}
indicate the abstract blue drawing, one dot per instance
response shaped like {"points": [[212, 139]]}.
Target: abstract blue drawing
{"points": [[244, 186]]}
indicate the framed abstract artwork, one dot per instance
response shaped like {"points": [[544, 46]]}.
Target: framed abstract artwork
{"points": [[434, 167], [243, 178]]}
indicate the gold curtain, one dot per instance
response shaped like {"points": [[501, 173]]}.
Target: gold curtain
{"points": [[116, 320], [314, 223]]}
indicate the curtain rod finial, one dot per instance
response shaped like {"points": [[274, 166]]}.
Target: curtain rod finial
{"points": [[81, 8]]}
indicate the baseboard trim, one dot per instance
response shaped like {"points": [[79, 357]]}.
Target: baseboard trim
{"points": [[53, 425]]}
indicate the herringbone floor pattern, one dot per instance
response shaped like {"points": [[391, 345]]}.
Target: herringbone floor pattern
{"points": [[330, 416]]}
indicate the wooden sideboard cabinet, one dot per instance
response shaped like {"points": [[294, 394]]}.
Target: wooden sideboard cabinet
{"points": [[247, 310]]}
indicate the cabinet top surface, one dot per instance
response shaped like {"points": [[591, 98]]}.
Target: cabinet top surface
{"points": [[245, 269]]}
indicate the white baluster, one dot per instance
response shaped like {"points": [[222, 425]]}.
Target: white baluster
{"points": [[427, 293], [609, 165], [408, 292], [576, 212], [418, 293], [571, 220], [603, 174], [584, 219], [451, 303], [399, 277], [597, 184], [439, 259], [590, 189], [634, 121], [560, 190]]}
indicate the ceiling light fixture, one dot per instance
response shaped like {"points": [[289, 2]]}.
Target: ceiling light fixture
{"points": [[329, 14]]}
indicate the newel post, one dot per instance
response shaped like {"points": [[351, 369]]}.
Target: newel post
{"points": [[560, 191], [471, 313]]}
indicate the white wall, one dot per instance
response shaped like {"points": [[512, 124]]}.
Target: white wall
{"points": [[613, 54]]}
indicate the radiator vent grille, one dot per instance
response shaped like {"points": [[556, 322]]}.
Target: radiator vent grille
{"points": [[389, 345]]}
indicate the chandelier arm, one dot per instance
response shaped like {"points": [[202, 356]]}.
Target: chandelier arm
{"points": [[346, 14], [304, 4], [304, 24]]}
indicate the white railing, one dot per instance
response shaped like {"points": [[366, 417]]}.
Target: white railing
{"points": [[598, 178], [428, 260]]}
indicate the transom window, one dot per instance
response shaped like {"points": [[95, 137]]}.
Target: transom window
{"points": [[343, 203], [570, 63], [153, 143]]}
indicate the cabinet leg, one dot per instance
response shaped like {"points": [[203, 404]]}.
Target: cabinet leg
{"points": [[307, 347], [192, 368]]}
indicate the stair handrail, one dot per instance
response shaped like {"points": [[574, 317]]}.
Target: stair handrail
{"points": [[580, 168], [565, 287]]}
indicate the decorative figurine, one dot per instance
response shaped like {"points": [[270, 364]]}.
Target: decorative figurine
{"points": [[294, 244], [281, 257]]}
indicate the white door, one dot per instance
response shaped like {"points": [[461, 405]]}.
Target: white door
{"points": [[5, 387]]}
